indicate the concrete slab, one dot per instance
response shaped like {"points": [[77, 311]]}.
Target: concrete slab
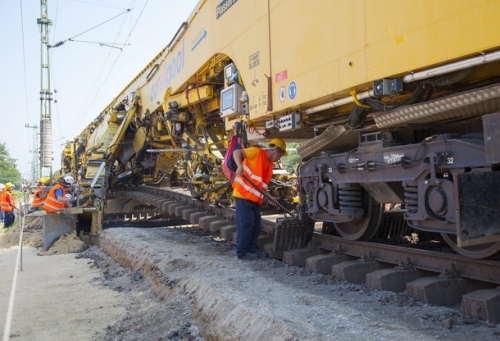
{"points": [[442, 290], [195, 217], [297, 257], [355, 271], [186, 213], [215, 226], [392, 279], [323, 263], [179, 209], [226, 232], [55, 225], [264, 239], [166, 204], [158, 203], [269, 249], [204, 222], [149, 199], [172, 207], [484, 304]]}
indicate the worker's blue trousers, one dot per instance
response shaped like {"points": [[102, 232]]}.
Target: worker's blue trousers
{"points": [[248, 224], [9, 219]]}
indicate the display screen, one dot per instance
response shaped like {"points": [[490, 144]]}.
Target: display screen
{"points": [[228, 99]]}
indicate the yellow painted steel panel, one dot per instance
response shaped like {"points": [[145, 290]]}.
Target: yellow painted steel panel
{"points": [[329, 47], [195, 96], [239, 33], [429, 33], [316, 51]]}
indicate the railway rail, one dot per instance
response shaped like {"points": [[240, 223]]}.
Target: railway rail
{"points": [[439, 278]]}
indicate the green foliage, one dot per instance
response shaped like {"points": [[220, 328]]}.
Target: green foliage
{"points": [[8, 168], [292, 160]]}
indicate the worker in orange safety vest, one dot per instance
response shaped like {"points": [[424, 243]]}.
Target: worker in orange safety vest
{"points": [[58, 197], [2, 189], [7, 202], [39, 195], [254, 172]]}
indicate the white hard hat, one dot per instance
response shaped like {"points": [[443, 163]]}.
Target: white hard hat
{"points": [[2, 186], [69, 180]]}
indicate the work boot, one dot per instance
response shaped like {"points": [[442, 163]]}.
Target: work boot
{"points": [[248, 256], [260, 254]]}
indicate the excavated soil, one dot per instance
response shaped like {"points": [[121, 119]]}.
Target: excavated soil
{"points": [[181, 284]]}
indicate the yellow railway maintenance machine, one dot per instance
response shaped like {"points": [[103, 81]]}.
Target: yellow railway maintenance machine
{"points": [[394, 104]]}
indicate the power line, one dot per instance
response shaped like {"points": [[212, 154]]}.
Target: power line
{"points": [[85, 110], [24, 61], [92, 3], [100, 43], [90, 29]]}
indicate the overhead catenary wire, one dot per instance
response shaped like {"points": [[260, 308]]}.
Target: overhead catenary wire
{"points": [[108, 44], [90, 29], [100, 43], [96, 4], [24, 62], [85, 110]]}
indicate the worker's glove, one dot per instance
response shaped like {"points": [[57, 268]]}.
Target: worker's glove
{"points": [[273, 202]]}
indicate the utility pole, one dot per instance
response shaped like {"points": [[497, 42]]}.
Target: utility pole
{"points": [[46, 156], [36, 154]]}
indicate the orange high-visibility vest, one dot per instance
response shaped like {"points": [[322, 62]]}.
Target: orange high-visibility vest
{"points": [[38, 197], [4, 203], [52, 205], [1, 200], [257, 168]]}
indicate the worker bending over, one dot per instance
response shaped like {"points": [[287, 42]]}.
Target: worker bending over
{"points": [[59, 196], [255, 170]]}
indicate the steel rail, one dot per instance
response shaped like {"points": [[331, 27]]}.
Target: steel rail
{"points": [[432, 261]]}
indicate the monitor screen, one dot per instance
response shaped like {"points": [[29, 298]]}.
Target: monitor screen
{"points": [[228, 99]]}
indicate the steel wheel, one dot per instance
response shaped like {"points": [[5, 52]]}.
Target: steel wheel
{"points": [[477, 251], [365, 228]]}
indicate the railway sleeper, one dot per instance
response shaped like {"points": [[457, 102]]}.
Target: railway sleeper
{"points": [[290, 241], [476, 299]]}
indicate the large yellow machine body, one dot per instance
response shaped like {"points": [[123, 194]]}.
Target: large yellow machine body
{"points": [[326, 48], [291, 56], [318, 72]]}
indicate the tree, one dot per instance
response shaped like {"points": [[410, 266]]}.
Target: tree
{"points": [[293, 159], [8, 168]]}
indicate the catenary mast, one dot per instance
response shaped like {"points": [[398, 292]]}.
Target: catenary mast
{"points": [[46, 156]]}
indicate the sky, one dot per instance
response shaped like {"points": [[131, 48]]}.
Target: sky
{"points": [[85, 72]]}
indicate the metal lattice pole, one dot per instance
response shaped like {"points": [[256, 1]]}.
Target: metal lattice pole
{"points": [[36, 156], [45, 94]]}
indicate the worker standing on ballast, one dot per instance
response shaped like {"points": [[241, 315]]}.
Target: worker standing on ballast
{"points": [[2, 190], [59, 196], [39, 195], [255, 165], [8, 205]]}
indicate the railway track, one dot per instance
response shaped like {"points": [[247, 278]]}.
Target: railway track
{"points": [[436, 278]]}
